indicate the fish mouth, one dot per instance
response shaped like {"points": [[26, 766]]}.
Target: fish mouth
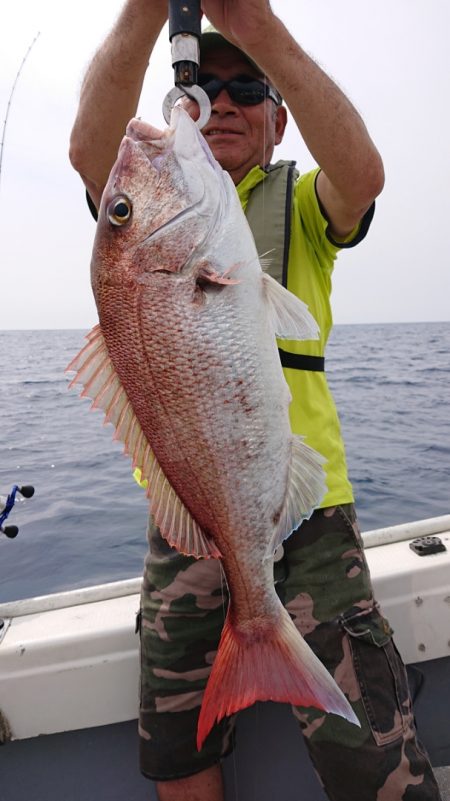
{"points": [[182, 135], [142, 131], [153, 142]]}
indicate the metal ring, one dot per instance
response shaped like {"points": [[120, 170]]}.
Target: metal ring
{"points": [[195, 93]]}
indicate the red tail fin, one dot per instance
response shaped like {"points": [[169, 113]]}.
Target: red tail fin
{"points": [[274, 666]]}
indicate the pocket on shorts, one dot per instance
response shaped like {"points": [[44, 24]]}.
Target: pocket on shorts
{"points": [[381, 675], [347, 513]]}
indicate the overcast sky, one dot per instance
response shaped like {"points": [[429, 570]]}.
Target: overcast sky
{"points": [[390, 57]]}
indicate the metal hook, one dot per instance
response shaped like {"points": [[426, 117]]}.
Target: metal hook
{"points": [[194, 92]]}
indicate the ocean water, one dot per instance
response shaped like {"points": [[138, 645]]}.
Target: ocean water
{"points": [[86, 523]]}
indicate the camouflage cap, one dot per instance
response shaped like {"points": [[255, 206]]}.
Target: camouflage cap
{"points": [[211, 40]]}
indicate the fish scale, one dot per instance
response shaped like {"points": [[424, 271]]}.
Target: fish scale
{"points": [[205, 439]]}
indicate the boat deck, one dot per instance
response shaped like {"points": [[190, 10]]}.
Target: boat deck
{"points": [[269, 762]]}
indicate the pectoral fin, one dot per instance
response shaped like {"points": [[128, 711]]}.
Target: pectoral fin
{"points": [[208, 275], [289, 316]]}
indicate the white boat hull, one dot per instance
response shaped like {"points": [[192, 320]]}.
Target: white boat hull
{"points": [[70, 661]]}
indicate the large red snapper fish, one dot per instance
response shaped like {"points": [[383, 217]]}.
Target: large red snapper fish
{"points": [[185, 365]]}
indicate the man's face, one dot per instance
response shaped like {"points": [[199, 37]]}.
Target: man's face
{"points": [[240, 137]]}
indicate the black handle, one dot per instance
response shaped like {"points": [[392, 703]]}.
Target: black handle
{"points": [[10, 531], [184, 17], [27, 491]]}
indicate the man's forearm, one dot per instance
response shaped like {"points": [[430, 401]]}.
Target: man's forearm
{"points": [[329, 124], [110, 91]]}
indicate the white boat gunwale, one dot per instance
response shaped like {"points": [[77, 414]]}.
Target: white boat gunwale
{"points": [[131, 586]]}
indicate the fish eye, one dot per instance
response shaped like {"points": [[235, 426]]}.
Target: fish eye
{"points": [[119, 210]]}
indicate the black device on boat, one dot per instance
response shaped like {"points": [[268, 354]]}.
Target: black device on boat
{"points": [[7, 504]]}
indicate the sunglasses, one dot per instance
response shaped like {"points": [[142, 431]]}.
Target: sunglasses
{"points": [[244, 90]]}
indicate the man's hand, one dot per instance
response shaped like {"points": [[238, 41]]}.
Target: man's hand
{"points": [[242, 22]]}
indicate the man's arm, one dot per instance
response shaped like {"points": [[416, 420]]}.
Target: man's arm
{"points": [[110, 91], [352, 171]]}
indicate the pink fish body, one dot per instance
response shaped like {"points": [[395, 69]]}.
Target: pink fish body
{"points": [[185, 365]]}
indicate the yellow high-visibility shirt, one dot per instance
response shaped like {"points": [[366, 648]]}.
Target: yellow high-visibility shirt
{"points": [[311, 261]]}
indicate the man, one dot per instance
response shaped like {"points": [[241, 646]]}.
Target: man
{"points": [[322, 576]]}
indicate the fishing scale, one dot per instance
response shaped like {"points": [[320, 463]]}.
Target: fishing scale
{"points": [[184, 35]]}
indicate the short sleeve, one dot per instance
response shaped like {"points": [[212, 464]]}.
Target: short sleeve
{"points": [[314, 220]]}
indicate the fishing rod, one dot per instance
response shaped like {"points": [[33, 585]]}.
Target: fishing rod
{"points": [[7, 504], [8, 107], [184, 34]]}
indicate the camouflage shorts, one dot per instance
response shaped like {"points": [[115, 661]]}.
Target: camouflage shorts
{"points": [[323, 580]]}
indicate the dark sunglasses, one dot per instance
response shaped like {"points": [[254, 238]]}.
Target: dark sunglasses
{"points": [[244, 90]]}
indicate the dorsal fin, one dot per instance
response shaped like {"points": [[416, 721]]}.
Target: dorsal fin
{"points": [[95, 371]]}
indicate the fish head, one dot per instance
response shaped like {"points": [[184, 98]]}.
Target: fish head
{"points": [[165, 206]]}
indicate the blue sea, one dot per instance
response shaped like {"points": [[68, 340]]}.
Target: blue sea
{"points": [[86, 522]]}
